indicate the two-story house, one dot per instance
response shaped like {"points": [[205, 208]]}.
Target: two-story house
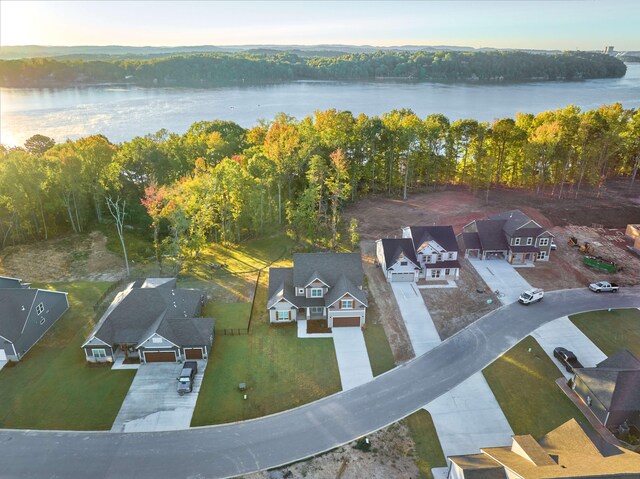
{"points": [[511, 235], [320, 286], [428, 252]]}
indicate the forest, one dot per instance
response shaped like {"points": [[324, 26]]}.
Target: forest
{"points": [[217, 69], [223, 183]]}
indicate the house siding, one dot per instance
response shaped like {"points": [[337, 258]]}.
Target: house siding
{"points": [[335, 311], [282, 305], [89, 354], [162, 343], [398, 268], [315, 285], [596, 406], [55, 304]]}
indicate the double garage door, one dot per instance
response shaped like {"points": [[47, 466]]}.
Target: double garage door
{"points": [[402, 277], [160, 356], [344, 322]]}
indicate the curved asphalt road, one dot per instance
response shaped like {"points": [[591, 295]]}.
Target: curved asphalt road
{"points": [[234, 449]]}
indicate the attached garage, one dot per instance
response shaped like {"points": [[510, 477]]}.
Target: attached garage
{"points": [[402, 277], [160, 356], [344, 322], [193, 353]]}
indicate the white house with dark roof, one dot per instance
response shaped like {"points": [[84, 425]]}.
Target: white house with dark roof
{"points": [[511, 235], [397, 259], [320, 286], [436, 250], [153, 320], [26, 314]]}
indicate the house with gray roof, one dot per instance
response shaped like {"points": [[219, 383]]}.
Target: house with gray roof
{"points": [[320, 286], [26, 314], [511, 235], [154, 321], [568, 452], [612, 389]]}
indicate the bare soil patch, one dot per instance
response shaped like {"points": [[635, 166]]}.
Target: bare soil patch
{"points": [[454, 308], [392, 455], [383, 308], [70, 258]]}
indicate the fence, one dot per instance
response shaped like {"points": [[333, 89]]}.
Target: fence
{"points": [[231, 331]]}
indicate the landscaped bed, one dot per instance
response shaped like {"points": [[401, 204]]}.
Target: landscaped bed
{"points": [[523, 382], [54, 387], [611, 330]]}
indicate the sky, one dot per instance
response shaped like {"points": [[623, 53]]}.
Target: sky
{"points": [[562, 25]]}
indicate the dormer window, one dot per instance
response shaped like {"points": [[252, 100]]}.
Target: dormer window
{"points": [[529, 241], [346, 304], [516, 242], [317, 292]]}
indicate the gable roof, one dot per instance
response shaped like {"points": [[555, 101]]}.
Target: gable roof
{"points": [[491, 235], [15, 305], [443, 235], [342, 287], [7, 282], [142, 311], [330, 265], [513, 220], [280, 285], [623, 359], [393, 248], [188, 332]]}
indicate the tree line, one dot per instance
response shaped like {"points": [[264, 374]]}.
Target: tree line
{"points": [[221, 182], [208, 70]]}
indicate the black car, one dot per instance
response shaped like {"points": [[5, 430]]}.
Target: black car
{"points": [[187, 376], [567, 358]]}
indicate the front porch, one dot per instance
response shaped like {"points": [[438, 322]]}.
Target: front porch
{"points": [[120, 361]]}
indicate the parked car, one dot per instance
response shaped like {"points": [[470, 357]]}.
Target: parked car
{"points": [[604, 286], [567, 358], [187, 376], [532, 296]]}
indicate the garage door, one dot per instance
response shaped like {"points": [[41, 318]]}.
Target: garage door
{"points": [[342, 322], [398, 277], [160, 357], [193, 353]]}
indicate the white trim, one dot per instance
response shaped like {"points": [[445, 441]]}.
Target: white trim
{"points": [[354, 298], [142, 343], [29, 313], [312, 289], [175, 356], [11, 342], [201, 348], [316, 279], [9, 277], [282, 299], [92, 338]]}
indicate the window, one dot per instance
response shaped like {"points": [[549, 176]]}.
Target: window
{"points": [[447, 271], [543, 242], [316, 309], [99, 353], [516, 241], [450, 255], [283, 316], [40, 309], [346, 304], [316, 292], [300, 290], [427, 259], [439, 258], [156, 340], [529, 241], [542, 255], [403, 263], [435, 273]]}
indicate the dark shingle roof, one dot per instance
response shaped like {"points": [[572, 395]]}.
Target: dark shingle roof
{"points": [[6, 282], [527, 232], [513, 220], [491, 235], [443, 235], [14, 309], [280, 285], [343, 286], [188, 332], [471, 241], [141, 312], [330, 265], [394, 247], [623, 359]]}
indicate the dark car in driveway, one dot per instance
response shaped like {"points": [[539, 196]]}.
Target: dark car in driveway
{"points": [[187, 376], [567, 358]]}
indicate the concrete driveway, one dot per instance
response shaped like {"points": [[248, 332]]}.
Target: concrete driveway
{"points": [[501, 276], [153, 403], [353, 360], [468, 417], [562, 332], [422, 332]]}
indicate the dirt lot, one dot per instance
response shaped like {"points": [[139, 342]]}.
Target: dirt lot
{"points": [[454, 308], [391, 455], [71, 258]]}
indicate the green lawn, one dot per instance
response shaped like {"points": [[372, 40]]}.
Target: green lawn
{"points": [[380, 355], [428, 450], [228, 315], [523, 382], [611, 330], [280, 370], [53, 387]]}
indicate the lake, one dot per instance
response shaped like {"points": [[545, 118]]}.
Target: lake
{"points": [[120, 113]]}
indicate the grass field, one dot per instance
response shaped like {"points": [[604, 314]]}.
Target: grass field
{"points": [[428, 450], [53, 387], [380, 355], [611, 330], [523, 382], [280, 370]]}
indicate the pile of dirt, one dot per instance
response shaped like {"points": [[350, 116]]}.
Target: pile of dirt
{"points": [[392, 454]]}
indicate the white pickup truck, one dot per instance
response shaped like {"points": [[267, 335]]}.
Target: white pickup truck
{"points": [[604, 287]]}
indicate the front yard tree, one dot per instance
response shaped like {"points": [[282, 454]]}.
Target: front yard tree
{"points": [[117, 208]]}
